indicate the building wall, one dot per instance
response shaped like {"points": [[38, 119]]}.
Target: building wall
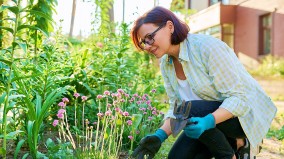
{"points": [[278, 34], [245, 15], [204, 19], [198, 5], [247, 26], [247, 31]]}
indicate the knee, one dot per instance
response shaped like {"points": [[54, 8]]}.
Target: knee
{"points": [[171, 154]]}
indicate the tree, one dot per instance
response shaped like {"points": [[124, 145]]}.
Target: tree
{"points": [[72, 18]]}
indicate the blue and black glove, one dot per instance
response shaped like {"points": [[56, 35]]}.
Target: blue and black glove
{"points": [[150, 145], [202, 123]]}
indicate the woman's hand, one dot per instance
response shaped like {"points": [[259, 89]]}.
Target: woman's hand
{"points": [[204, 123], [150, 145]]}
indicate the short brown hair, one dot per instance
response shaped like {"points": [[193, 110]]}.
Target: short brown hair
{"points": [[159, 16]]}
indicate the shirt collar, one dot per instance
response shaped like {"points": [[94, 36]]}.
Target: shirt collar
{"points": [[183, 52]]}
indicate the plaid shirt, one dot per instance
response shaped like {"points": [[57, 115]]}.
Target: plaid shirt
{"points": [[214, 73]]}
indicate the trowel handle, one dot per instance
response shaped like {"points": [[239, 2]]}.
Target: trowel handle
{"points": [[190, 123]]}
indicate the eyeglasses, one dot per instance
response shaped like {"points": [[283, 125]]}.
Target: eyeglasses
{"points": [[149, 39]]}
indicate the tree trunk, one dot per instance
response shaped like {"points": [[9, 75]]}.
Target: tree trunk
{"points": [[1, 24], [72, 18]]}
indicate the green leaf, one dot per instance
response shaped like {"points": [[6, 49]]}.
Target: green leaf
{"points": [[32, 28], [38, 104], [25, 156], [15, 96], [119, 55], [40, 155], [3, 7], [6, 62], [2, 98], [6, 19], [8, 29], [24, 77], [12, 135], [13, 9], [2, 151], [23, 46], [49, 143], [41, 14], [18, 148], [136, 120]]}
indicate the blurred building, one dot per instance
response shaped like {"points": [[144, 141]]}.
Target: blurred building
{"points": [[253, 28]]}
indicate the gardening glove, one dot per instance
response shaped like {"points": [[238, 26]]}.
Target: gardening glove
{"points": [[202, 123], [150, 145]]}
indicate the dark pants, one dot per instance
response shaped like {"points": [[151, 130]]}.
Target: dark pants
{"points": [[219, 142]]}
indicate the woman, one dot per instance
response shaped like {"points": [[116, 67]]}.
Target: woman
{"points": [[201, 68]]}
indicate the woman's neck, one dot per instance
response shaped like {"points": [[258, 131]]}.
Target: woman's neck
{"points": [[174, 51]]}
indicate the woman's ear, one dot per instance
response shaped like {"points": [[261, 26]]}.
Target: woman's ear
{"points": [[170, 25]]}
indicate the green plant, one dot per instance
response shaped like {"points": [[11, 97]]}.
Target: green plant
{"points": [[270, 66], [115, 129]]}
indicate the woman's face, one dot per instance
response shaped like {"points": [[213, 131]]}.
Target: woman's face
{"points": [[156, 39]]}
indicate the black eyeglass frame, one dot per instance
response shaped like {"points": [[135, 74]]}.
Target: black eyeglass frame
{"points": [[150, 38]]}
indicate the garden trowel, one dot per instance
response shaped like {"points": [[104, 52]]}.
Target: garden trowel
{"points": [[181, 113]]}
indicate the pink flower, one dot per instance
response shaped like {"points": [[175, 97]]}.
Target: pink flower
{"points": [[108, 105], [150, 118], [61, 104], [95, 123], [61, 111], [122, 100], [126, 95], [130, 137], [99, 96], [107, 93], [55, 122], [153, 90], [100, 45], [125, 113], [117, 109], [154, 112], [100, 114], [138, 102], [118, 95], [76, 95], [129, 122], [135, 95], [84, 98], [60, 115], [108, 113], [137, 132], [120, 91], [66, 100], [148, 102]]}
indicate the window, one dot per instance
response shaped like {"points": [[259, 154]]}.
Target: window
{"points": [[228, 34], [212, 2], [265, 35], [224, 32], [213, 31]]}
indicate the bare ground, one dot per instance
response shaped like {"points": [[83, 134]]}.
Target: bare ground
{"points": [[273, 148]]}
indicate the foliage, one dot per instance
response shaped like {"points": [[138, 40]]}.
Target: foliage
{"points": [[270, 66], [178, 6], [122, 120], [37, 70]]}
